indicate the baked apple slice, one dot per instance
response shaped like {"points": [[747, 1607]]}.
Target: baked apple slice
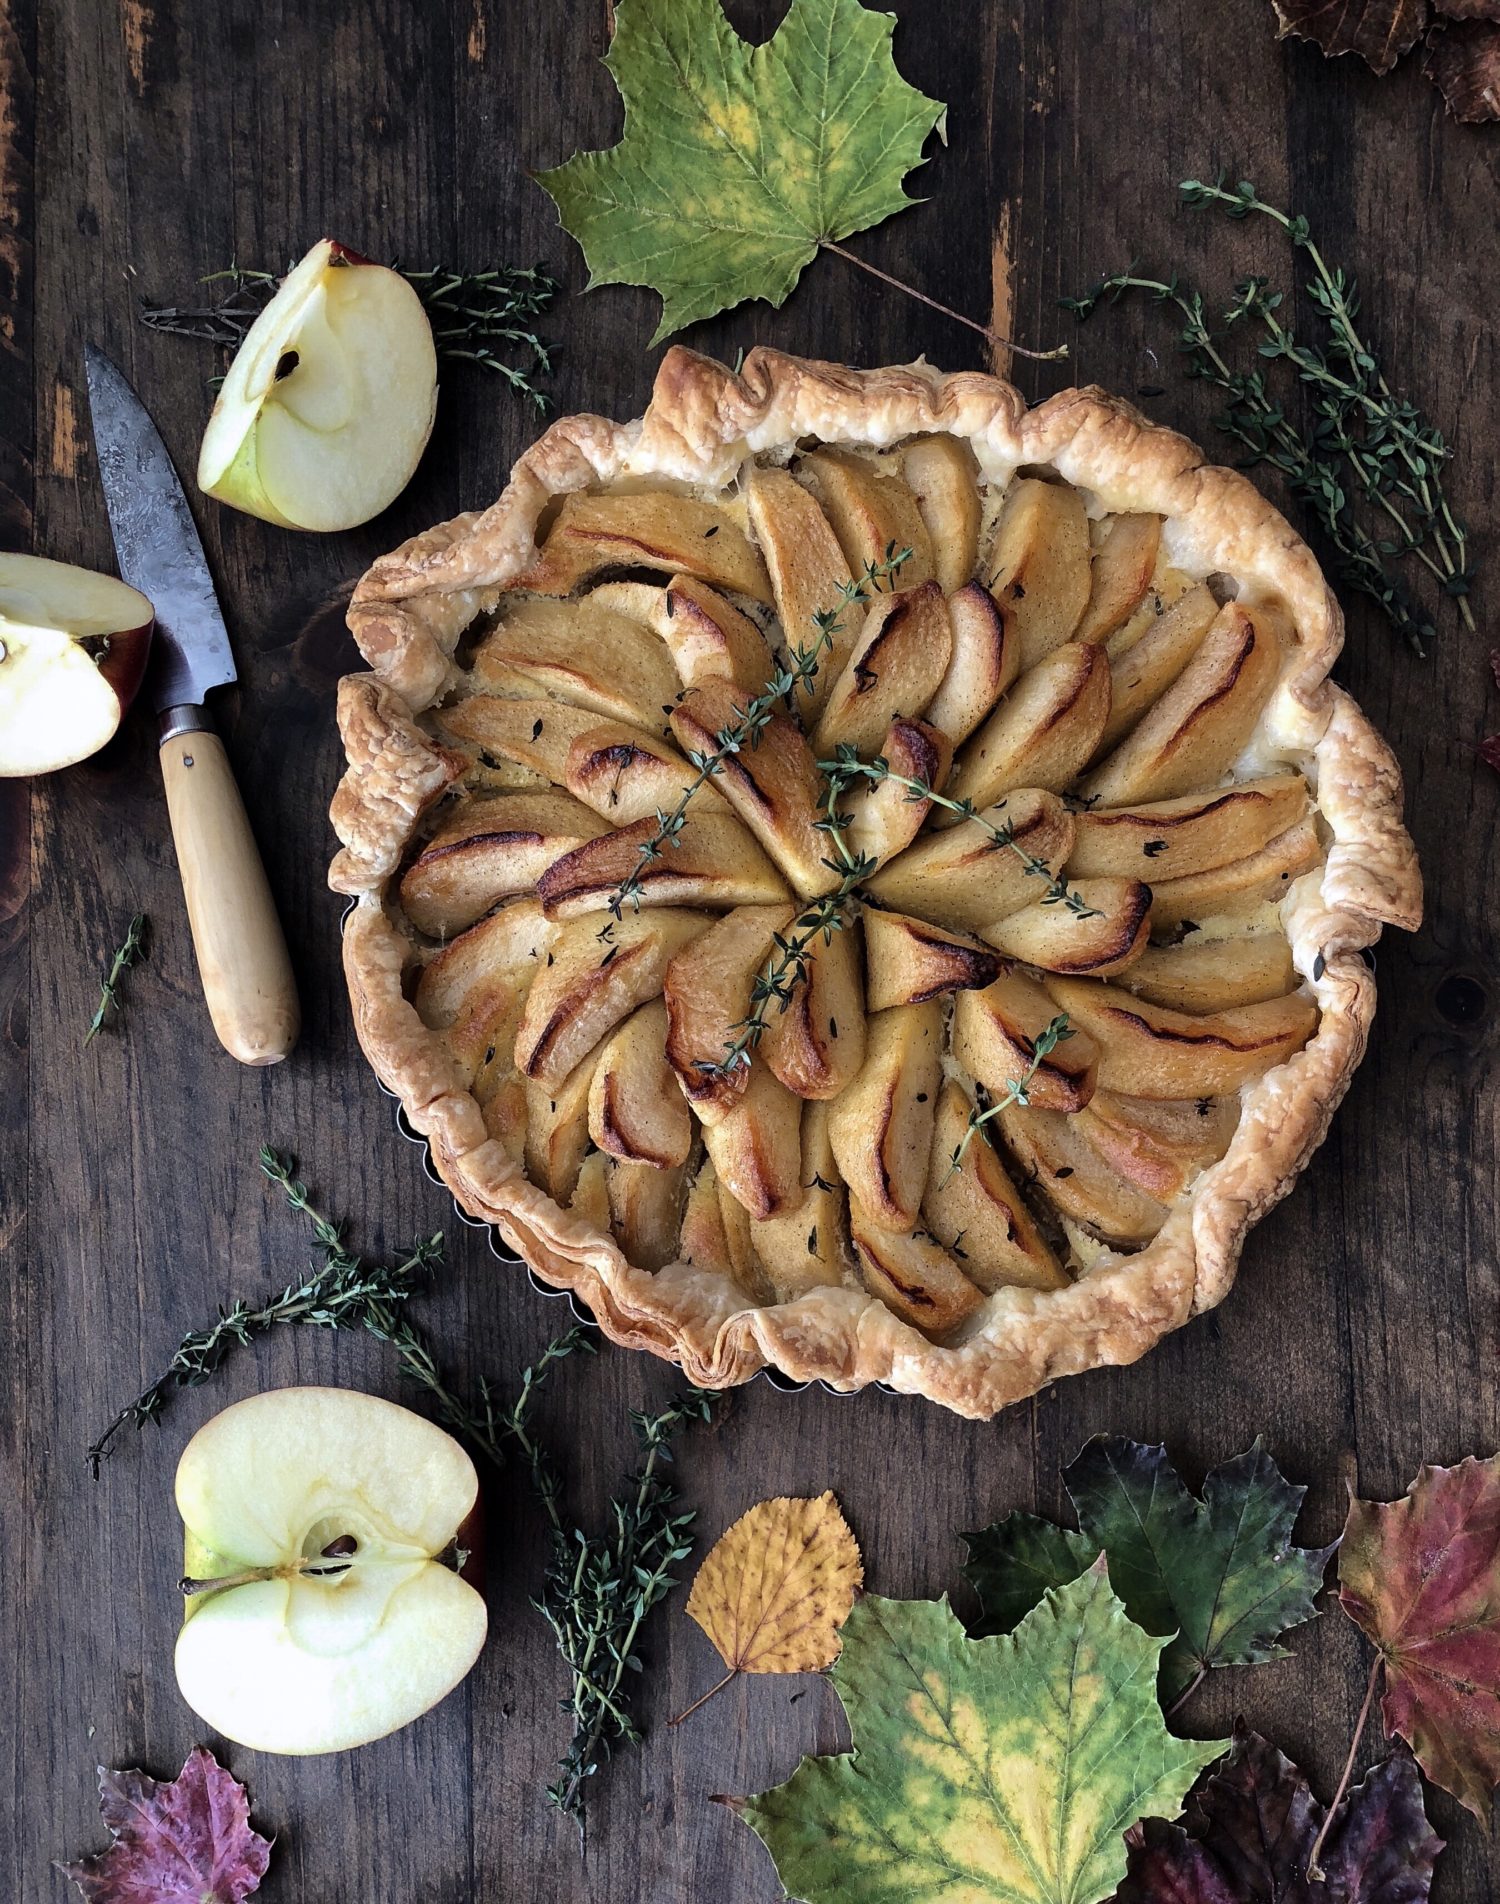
{"points": [[1040, 567], [995, 1034], [1156, 1144], [985, 659], [708, 990], [976, 1212], [715, 1236], [942, 472], [756, 1146], [912, 1275], [884, 817], [1242, 884], [635, 1110], [901, 656], [653, 529], [533, 733], [1124, 564], [1210, 975], [881, 1126], [1142, 671], [503, 951], [1148, 1050], [1199, 727], [494, 849], [585, 989], [624, 774], [965, 877], [874, 515], [908, 961], [1169, 839], [712, 861], [808, 577], [557, 1131], [803, 1248], [1055, 1151], [1043, 733], [578, 652], [1106, 939], [495, 1084], [707, 637], [816, 1042], [645, 1210]]}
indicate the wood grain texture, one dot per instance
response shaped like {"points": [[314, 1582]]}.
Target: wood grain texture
{"points": [[146, 142]]}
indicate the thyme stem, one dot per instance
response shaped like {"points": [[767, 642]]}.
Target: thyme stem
{"points": [[131, 952], [1017, 1090]]}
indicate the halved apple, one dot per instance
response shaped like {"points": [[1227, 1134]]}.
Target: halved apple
{"points": [[808, 576], [557, 1129], [707, 637], [1108, 938], [636, 1111], [816, 1042], [713, 861], [976, 1212], [884, 816], [495, 849], [708, 994], [912, 1275], [1040, 573], [507, 949], [657, 529], [943, 474], [578, 652], [626, 775], [1044, 731], [1169, 839], [1054, 1149], [881, 1126], [1209, 975], [645, 1209], [803, 1249], [324, 413], [1148, 1050], [995, 1034], [323, 1532], [73, 649], [908, 961], [896, 665], [873, 515], [1142, 672], [756, 1145], [985, 660], [1124, 563], [1242, 884], [967, 878]]}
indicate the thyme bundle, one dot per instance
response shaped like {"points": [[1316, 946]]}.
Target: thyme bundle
{"points": [[1365, 443], [128, 953]]}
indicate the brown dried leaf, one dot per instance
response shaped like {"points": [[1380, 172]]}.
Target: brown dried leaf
{"points": [[777, 1586], [1380, 31], [1468, 9], [1463, 62]]}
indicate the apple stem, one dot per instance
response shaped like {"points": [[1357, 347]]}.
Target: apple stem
{"points": [[304, 1564], [899, 284], [190, 1586]]}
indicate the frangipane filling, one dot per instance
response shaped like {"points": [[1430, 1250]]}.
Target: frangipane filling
{"points": [[863, 876]]}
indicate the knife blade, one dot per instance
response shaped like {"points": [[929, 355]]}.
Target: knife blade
{"points": [[242, 956]]}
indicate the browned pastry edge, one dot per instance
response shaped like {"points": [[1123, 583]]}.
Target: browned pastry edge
{"points": [[703, 421]]}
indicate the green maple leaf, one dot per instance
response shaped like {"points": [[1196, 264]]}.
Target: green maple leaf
{"points": [[738, 161], [993, 1771], [1221, 1574]]}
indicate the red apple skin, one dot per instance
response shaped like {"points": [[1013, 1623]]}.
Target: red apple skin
{"points": [[124, 666], [470, 1537], [345, 255]]}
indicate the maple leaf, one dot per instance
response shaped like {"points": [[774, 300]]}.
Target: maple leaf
{"points": [[738, 161], [1463, 62], [1380, 31], [982, 1769], [1420, 1577], [775, 1588], [185, 1842], [1220, 1574], [1249, 1829]]}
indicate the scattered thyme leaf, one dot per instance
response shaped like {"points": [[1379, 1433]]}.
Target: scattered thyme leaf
{"points": [[130, 953]]}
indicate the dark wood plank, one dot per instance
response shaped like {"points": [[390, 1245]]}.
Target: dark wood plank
{"points": [[1362, 1337]]}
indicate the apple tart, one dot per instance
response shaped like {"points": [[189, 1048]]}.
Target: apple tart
{"points": [[855, 875]]}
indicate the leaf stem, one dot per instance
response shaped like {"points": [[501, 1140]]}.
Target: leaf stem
{"points": [[993, 338], [703, 1698], [1187, 1692], [1314, 1871]]}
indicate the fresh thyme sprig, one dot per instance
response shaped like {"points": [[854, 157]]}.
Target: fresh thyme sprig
{"points": [[1364, 441], [475, 316], [1017, 1090], [131, 952]]}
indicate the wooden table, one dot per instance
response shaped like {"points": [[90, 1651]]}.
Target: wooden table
{"points": [[144, 144]]}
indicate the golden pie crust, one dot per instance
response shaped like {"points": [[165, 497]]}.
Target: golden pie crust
{"points": [[704, 424]]}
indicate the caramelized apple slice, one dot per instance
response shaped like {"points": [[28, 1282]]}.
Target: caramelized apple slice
{"points": [[901, 655], [654, 529], [977, 1213], [1110, 937], [872, 515], [995, 1035], [707, 637], [884, 816], [1147, 1050], [772, 783], [715, 1236], [713, 861], [1211, 975], [816, 1043], [1169, 839], [881, 1126], [803, 1249], [626, 775], [636, 1111], [808, 575], [985, 660], [908, 961], [1124, 563], [708, 993], [500, 952], [645, 1210], [1156, 1144], [943, 474], [913, 1276], [1198, 728], [1055, 1151], [1141, 673], [585, 989], [495, 1085], [590, 1198], [493, 850], [966, 877], [1241, 884], [1044, 731], [578, 652], [557, 1130], [534, 734], [1040, 572], [756, 1145]]}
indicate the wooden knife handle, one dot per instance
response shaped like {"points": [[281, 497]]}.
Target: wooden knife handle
{"points": [[242, 956]]}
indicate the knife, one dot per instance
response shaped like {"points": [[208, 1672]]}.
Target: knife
{"points": [[242, 957]]}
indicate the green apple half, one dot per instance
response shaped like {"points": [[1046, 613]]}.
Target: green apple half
{"points": [[328, 405], [318, 1523], [73, 648]]}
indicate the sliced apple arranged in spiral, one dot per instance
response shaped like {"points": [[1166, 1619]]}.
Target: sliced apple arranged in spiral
{"points": [[325, 1533], [328, 404]]}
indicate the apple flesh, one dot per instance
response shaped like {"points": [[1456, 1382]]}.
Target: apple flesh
{"points": [[319, 1552], [73, 648], [328, 405]]}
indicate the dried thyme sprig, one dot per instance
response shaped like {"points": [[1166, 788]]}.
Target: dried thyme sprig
{"points": [[1017, 1090], [1364, 441], [130, 953], [475, 315]]}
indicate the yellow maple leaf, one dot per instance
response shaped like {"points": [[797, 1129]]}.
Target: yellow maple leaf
{"points": [[775, 1589]]}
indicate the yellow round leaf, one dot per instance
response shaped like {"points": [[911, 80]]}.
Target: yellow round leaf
{"points": [[778, 1585]]}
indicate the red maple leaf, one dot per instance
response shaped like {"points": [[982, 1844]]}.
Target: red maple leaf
{"points": [[187, 1842], [1421, 1578]]}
